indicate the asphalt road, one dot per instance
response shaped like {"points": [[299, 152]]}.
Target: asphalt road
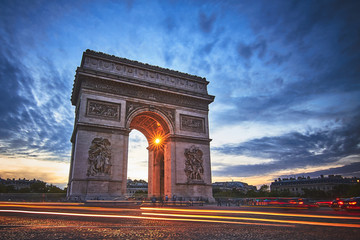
{"points": [[79, 221]]}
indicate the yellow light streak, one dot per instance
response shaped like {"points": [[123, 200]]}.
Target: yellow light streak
{"points": [[100, 209], [248, 212], [178, 216], [43, 203], [256, 219], [142, 217]]}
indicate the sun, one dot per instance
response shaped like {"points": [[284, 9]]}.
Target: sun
{"points": [[157, 141]]}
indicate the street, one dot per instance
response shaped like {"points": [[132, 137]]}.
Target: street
{"points": [[25, 220]]}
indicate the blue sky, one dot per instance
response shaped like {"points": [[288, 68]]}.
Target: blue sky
{"points": [[286, 76]]}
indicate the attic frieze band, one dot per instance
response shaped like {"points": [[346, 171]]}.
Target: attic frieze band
{"points": [[144, 75], [144, 93], [81, 72], [101, 55]]}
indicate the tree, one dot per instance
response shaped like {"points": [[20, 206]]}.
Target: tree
{"points": [[24, 190], [264, 188], [264, 191], [54, 189], [38, 187], [3, 188]]}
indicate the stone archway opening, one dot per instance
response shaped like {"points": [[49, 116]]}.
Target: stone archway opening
{"points": [[156, 131], [137, 156], [154, 128]]}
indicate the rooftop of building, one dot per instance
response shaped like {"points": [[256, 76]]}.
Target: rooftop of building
{"points": [[321, 179]]}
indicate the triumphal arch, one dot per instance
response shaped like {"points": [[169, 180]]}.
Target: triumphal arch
{"points": [[114, 95]]}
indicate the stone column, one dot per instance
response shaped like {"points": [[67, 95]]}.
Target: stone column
{"points": [[157, 172], [87, 181], [150, 173], [117, 186], [169, 168]]}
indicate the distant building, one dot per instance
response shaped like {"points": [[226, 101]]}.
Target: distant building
{"points": [[297, 185], [18, 183], [134, 186], [240, 186]]}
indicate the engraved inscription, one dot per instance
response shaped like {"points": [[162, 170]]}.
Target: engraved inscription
{"points": [[103, 110], [193, 124]]}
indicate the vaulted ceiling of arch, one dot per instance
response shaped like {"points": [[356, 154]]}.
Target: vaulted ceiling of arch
{"points": [[149, 126]]}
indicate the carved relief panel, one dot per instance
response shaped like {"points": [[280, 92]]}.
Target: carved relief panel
{"points": [[192, 124], [194, 169], [99, 157], [104, 110]]}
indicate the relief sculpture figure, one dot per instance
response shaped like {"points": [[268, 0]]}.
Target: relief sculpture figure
{"points": [[99, 157], [194, 163], [103, 110]]}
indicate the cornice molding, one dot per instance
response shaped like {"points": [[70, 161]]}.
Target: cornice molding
{"points": [[188, 139], [90, 74], [93, 179], [140, 92], [98, 128]]}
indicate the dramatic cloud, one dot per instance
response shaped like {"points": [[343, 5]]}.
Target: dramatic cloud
{"points": [[319, 148]]}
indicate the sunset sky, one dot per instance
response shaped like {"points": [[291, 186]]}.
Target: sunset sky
{"points": [[285, 74]]}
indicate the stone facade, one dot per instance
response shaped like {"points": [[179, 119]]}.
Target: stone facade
{"points": [[114, 95]]}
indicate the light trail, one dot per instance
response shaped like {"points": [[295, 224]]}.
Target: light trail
{"points": [[142, 217], [248, 212], [100, 209], [202, 215], [43, 203], [256, 219], [72, 214]]}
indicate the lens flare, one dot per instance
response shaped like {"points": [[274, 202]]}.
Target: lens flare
{"points": [[157, 141]]}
